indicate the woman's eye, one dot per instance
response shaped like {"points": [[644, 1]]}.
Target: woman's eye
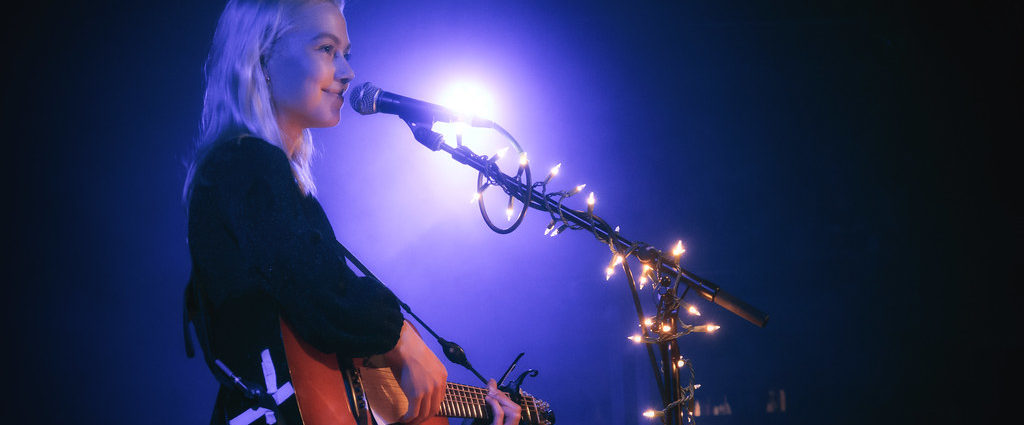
{"points": [[327, 48], [348, 57]]}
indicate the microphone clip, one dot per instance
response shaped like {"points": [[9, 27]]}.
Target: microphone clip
{"points": [[423, 134]]}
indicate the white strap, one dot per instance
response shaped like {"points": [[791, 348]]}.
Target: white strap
{"points": [[279, 394]]}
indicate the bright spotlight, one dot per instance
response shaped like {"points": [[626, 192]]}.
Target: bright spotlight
{"points": [[467, 99]]}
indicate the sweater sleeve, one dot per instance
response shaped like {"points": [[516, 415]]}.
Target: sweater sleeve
{"points": [[291, 256]]}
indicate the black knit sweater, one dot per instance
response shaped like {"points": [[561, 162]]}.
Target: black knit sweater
{"points": [[262, 249]]}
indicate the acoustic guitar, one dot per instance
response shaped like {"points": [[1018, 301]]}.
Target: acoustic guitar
{"points": [[328, 394]]}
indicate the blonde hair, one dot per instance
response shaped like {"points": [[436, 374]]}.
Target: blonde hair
{"points": [[237, 100]]}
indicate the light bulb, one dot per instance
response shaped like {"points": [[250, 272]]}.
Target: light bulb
{"points": [[678, 250], [554, 170], [501, 153]]}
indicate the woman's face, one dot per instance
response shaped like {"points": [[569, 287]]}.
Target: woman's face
{"points": [[309, 70]]}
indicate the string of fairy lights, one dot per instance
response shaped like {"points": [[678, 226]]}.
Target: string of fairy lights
{"points": [[662, 277]]}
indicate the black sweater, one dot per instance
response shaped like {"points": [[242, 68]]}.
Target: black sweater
{"points": [[262, 249]]}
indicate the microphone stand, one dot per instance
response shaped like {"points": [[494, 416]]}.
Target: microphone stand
{"points": [[660, 333]]}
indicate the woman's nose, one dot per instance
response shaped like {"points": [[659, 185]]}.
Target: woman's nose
{"points": [[343, 71]]}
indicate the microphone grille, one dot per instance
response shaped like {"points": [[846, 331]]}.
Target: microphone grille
{"points": [[364, 98]]}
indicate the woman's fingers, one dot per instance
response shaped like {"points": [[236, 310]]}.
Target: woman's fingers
{"points": [[506, 411], [424, 401], [499, 413], [412, 415], [420, 374]]}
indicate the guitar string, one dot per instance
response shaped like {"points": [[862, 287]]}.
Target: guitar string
{"points": [[469, 400]]}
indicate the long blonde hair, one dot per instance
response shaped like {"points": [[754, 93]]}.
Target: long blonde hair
{"points": [[237, 99]]}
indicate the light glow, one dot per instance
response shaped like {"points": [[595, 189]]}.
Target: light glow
{"points": [[501, 153], [678, 250], [468, 99], [709, 328], [693, 310]]}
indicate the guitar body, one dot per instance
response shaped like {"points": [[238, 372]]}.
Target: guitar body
{"points": [[325, 399], [319, 382], [331, 394], [386, 398]]}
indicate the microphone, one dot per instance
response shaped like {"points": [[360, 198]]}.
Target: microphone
{"points": [[368, 99]]}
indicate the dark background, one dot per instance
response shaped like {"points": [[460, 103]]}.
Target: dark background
{"points": [[844, 166]]}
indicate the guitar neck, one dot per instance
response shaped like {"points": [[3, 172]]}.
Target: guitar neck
{"points": [[466, 401]]}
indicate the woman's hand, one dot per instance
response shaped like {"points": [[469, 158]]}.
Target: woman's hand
{"points": [[420, 374], [506, 412]]}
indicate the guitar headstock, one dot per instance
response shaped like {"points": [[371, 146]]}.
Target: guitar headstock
{"points": [[536, 411]]}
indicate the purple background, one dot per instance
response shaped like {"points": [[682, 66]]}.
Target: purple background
{"points": [[841, 166]]}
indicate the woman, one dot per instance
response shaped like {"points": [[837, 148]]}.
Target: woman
{"points": [[265, 259]]}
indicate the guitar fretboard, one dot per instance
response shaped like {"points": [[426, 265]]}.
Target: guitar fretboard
{"points": [[464, 401]]}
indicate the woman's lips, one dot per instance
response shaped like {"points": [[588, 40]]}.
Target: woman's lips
{"points": [[340, 95]]}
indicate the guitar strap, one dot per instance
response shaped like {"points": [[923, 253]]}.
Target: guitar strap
{"points": [[265, 402]]}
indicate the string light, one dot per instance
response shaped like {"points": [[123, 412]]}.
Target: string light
{"points": [[678, 250], [501, 153], [662, 328], [560, 229], [651, 413], [553, 173], [510, 209], [709, 328]]}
